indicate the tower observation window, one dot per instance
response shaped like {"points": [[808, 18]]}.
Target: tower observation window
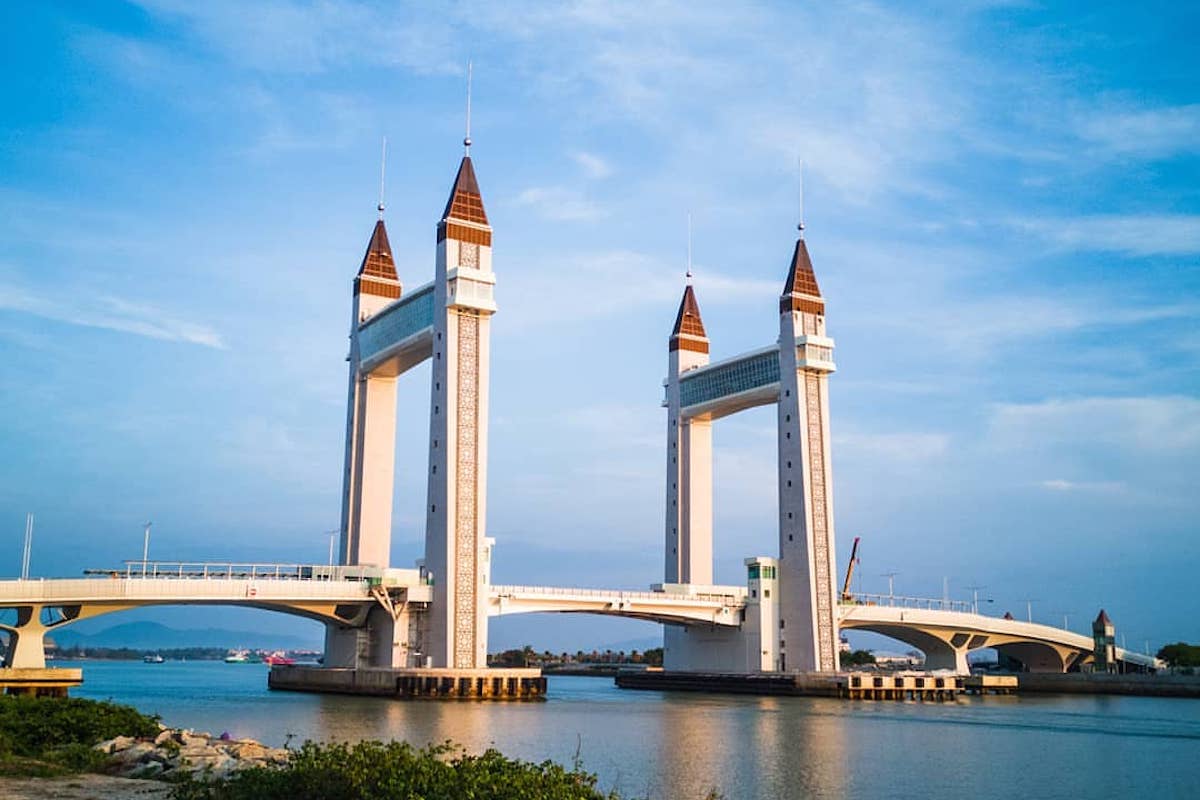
{"points": [[704, 385]]}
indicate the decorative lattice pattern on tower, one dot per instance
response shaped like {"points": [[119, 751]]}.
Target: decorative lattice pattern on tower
{"points": [[468, 255], [466, 521], [826, 632]]}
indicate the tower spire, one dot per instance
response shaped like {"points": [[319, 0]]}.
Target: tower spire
{"points": [[467, 138], [382, 175]]}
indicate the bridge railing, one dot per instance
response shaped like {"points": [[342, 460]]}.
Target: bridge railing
{"points": [[69, 591], [900, 601], [227, 570], [616, 594]]}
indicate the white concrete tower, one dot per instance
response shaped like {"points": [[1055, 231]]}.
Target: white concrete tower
{"points": [[689, 529], [370, 419], [456, 551], [808, 635]]}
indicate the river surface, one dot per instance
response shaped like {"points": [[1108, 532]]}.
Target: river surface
{"points": [[679, 746]]}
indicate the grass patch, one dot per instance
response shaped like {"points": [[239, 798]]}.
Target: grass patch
{"points": [[47, 737]]}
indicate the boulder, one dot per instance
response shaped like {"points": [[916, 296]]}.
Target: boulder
{"points": [[116, 745], [278, 755], [191, 737], [247, 751], [134, 754], [164, 737]]}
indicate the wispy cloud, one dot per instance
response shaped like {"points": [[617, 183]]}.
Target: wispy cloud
{"points": [[1062, 485], [895, 448], [1152, 424], [109, 313], [593, 166], [284, 36], [1133, 234], [617, 282], [560, 203], [1132, 130]]}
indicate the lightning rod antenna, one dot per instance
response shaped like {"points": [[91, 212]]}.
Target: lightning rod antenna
{"points": [[467, 138], [382, 175], [800, 181], [689, 249]]}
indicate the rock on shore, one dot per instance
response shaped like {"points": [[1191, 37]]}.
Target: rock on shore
{"points": [[176, 752]]}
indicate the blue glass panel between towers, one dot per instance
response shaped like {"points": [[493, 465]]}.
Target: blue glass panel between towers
{"points": [[397, 322], [705, 385]]}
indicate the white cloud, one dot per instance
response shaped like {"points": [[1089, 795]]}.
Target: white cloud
{"points": [[283, 36], [894, 448], [616, 282], [1154, 424], [1144, 132], [109, 313], [561, 204], [1062, 485], [1133, 234], [593, 166]]}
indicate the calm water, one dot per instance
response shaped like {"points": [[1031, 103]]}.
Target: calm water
{"points": [[667, 746]]}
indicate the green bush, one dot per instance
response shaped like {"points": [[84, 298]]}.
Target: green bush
{"points": [[379, 771], [37, 727]]}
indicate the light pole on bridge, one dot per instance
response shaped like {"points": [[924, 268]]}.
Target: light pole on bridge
{"points": [[332, 533], [891, 576], [146, 548], [975, 597], [1029, 609]]}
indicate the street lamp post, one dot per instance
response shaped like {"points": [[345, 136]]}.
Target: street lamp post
{"points": [[891, 576], [332, 533], [146, 548]]}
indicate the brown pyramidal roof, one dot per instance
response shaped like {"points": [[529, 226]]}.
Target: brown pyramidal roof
{"points": [[1103, 618], [801, 292], [378, 261], [688, 333], [377, 275], [465, 203]]}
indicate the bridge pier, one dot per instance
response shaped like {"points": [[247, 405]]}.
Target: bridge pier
{"points": [[26, 647]]}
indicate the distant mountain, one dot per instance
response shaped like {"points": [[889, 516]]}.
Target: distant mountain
{"points": [[155, 636]]}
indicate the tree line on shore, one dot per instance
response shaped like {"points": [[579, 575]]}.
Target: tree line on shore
{"points": [[528, 657]]}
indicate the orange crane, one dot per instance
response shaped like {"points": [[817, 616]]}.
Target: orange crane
{"points": [[846, 596]]}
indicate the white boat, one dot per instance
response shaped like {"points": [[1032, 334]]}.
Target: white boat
{"points": [[156, 658], [238, 657]]}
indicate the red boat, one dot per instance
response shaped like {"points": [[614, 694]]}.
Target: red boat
{"points": [[278, 659]]}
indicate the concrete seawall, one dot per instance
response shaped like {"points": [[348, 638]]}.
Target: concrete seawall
{"points": [[1101, 683], [768, 683], [842, 685], [413, 684]]}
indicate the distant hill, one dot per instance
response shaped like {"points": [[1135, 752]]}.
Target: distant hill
{"points": [[156, 636]]}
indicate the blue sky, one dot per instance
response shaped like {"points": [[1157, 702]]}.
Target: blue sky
{"points": [[1003, 208]]}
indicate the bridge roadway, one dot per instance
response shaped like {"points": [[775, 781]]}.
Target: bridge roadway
{"points": [[944, 634], [31, 609]]}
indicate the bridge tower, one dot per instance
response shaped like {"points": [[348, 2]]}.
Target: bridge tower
{"points": [[456, 547], [689, 528], [368, 478], [808, 635]]}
